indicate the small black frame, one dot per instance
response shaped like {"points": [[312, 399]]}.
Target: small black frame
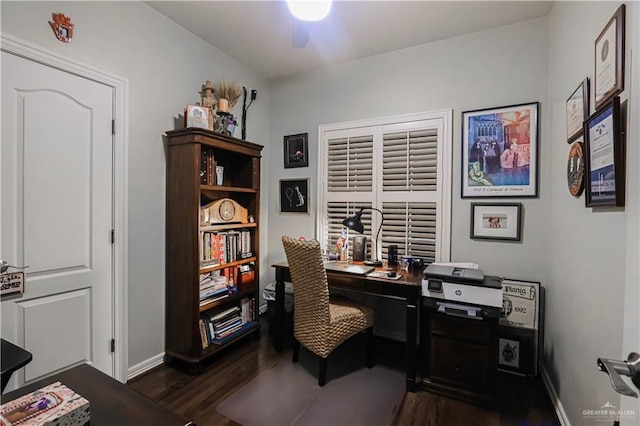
{"points": [[296, 150], [294, 195]]}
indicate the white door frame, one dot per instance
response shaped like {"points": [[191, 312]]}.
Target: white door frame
{"points": [[120, 87]]}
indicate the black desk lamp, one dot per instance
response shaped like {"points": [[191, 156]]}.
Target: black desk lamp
{"points": [[355, 223]]}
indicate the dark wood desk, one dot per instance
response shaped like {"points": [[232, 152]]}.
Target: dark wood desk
{"points": [[407, 288], [13, 358], [110, 402]]}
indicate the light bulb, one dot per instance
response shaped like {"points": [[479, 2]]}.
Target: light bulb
{"points": [[309, 10]]}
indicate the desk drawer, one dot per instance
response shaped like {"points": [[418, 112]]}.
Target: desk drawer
{"points": [[460, 328], [459, 363]]}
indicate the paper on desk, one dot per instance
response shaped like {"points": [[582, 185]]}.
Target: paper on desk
{"points": [[383, 274], [467, 265]]}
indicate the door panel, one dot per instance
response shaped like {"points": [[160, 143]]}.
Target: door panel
{"points": [[52, 321], [56, 145], [56, 190]]}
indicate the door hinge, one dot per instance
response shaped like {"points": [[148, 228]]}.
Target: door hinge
{"points": [[113, 127], [113, 236], [112, 345]]}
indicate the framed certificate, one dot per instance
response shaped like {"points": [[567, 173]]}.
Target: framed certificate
{"points": [[577, 110], [604, 157], [609, 59]]}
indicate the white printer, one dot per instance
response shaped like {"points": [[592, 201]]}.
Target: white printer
{"points": [[452, 286]]}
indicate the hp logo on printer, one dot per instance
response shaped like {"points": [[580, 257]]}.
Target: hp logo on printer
{"points": [[458, 292]]}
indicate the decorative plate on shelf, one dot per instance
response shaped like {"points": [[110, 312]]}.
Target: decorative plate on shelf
{"points": [[575, 168]]}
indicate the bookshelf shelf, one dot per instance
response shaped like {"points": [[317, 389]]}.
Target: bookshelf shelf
{"points": [[192, 158], [216, 188], [227, 227], [227, 265], [215, 303]]}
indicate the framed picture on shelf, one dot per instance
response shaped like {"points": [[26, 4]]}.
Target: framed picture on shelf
{"points": [[604, 157], [577, 110], [500, 151], [197, 116], [296, 150], [609, 59], [491, 221], [294, 195]]}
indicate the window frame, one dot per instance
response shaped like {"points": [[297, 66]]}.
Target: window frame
{"points": [[440, 119]]}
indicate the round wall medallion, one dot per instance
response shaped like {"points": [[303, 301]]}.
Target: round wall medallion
{"points": [[575, 169]]}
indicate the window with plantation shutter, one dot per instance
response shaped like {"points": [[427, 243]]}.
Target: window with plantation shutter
{"points": [[400, 165]]}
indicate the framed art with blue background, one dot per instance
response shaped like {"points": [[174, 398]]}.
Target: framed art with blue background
{"points": [[604, 157], [500, 151], [294, 195]]}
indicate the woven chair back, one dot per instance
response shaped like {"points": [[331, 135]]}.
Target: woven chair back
{"points": [[310, 290]]}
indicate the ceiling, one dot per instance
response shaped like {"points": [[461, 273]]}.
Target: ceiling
{"points": [[260, 33]]}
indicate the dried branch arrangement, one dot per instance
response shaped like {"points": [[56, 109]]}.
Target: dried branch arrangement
{"points": [[228, 90]]}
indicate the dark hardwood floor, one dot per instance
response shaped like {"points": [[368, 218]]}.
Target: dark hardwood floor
{"points": [[522, 401]]}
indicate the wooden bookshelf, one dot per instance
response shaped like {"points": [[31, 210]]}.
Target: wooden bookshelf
{"points": [[189, 153]]}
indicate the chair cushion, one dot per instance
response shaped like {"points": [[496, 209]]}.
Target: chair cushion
{"points": [[346, 319]]}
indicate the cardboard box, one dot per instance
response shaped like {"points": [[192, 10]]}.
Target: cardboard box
{"points": [[52, 404]]}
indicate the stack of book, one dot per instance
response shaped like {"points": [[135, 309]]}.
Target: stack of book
{"points": [[219, 326], [212, 288], [225, 323]]}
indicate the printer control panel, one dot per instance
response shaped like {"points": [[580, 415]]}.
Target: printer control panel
{"points": [[434, 285]]}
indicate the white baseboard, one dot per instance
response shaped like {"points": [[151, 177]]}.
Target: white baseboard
{"points": [[145, 366], [553, 395]]}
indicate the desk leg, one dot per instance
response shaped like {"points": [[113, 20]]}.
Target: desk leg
{"points": [[412, 347], [278, 333]]}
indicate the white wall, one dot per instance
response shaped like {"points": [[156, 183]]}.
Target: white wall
{"points": [[499, 67], [591, 254], [539, 60], [165, 66]]}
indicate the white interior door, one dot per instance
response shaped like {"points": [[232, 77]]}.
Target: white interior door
{"points": [[56, 215]]}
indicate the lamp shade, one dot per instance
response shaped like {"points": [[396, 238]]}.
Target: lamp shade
{"points": [[354, 223]]}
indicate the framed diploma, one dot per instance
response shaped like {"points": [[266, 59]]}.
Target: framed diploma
{"points": [[609, 59], [604, 157], [577, 110]]}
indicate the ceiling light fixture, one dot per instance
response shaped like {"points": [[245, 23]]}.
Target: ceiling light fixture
{"points": [[309, 10]]}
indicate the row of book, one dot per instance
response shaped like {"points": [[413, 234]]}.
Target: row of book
{"points": [[218, 248], [219, 326]]}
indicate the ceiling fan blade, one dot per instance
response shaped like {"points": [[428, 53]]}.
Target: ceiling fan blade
{"points": [[301, 32]]}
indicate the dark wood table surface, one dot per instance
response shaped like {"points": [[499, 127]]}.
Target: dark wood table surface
{"points": [[13, 358], [408, 288], [111, 402]]}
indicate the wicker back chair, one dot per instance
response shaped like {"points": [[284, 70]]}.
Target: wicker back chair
{"points": [[321, 324]]}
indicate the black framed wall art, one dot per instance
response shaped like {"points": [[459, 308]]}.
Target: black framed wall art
{"points": [[294, 195], [296, 150], [496, 221], [500, 151], [604, 157]]}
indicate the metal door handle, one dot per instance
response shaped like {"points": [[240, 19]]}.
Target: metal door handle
{"points": [[615, 368], [4, 265]]}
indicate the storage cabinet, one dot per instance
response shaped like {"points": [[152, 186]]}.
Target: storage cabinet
{"points": [[459, 356], [218, 245]]}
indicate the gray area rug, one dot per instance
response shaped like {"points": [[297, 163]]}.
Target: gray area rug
{"points": [[288, 394]]}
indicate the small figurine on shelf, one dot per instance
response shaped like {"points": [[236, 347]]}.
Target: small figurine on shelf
{"points": [[209, 101]]}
